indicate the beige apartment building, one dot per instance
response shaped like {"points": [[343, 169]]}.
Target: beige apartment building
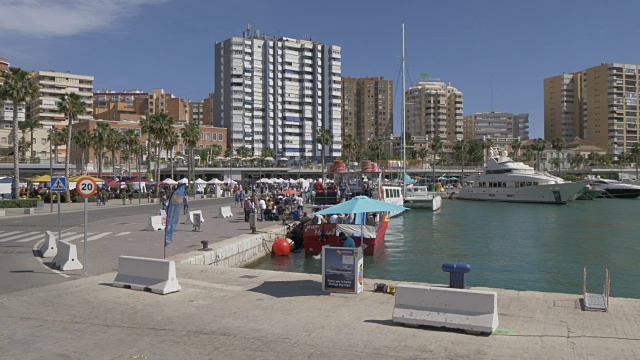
{"points": [[52, 86], [120, 106], [161, 102], [434, 109], [196, 111], [6, 107], [599, 104], [208, 106], [496, 125], [367, 108]]}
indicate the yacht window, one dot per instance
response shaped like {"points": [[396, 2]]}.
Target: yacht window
{"points": [[517, 184], [397, 193], [504, 184], [522, 184], [386, 193], [535, 183], [528, 183]]}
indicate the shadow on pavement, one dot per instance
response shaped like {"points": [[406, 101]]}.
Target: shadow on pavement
{"points": [[282, 289]]}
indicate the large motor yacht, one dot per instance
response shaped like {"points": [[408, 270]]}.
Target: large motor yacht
{"points": [[614, 189], [511, 181]]}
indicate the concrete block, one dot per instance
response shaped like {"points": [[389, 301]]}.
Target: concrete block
{"points": [[225, 212], [155, 223], [470, 310], [29, 211], [67, 257], [156, 275], [190, 218], [49, 247]]}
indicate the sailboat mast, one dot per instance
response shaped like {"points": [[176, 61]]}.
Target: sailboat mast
{"points": [[404, 131]]}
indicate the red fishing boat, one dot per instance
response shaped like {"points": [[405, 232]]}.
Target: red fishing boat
{"points": [[315, 236]]}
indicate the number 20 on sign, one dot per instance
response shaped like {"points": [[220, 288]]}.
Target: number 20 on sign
{"points": [[86, 187]]}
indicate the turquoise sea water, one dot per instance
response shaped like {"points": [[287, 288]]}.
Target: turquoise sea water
{"points": [[513, 246]]}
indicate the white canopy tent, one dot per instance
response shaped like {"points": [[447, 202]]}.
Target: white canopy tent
{"points": [[214, 181], [170, 181]]}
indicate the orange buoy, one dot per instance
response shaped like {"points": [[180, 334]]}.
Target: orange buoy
{"points": [[281, 247]]}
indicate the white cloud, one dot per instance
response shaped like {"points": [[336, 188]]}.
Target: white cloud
{"points": [[46, 18]]}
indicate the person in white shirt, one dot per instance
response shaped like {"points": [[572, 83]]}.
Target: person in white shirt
{"points": [[300, 203], [333, 219], [263, 208]]}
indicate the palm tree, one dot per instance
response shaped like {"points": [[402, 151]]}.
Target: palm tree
{"points": [[145, 128], [99, 142], [159, 127], [324, 138], [82, 138], [635, 152], [558, 144], [114, 143], [23, 141], [422, 154], [169, 145], [57, 137], [18, 87], [228, 152], [436, 147], [130, 141], [71, 105], [350, 146], [375, 148], [516, 145], [539, 145], [460, 149], [190, 137]]}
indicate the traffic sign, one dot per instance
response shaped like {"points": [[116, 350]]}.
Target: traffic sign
{"points": [[58, 184], [86, 186]]}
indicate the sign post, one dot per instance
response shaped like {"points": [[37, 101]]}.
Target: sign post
{"points": [[197, 221], [58, 184], [86, 187], [342, 269]]}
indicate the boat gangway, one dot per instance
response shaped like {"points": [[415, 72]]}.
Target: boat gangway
{"points": [[593, 301]]}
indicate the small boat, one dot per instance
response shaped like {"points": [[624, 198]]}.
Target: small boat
{"points": [[419, 197], [614, 189], [315, 236]]}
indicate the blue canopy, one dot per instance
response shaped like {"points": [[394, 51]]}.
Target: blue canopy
{"points": [[453, 178], [361, 204], [408, 180]]}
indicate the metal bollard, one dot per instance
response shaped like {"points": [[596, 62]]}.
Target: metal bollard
{"points": [[205, 245]]}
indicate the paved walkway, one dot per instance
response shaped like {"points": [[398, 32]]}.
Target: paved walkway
{"points": [[224, 313]]}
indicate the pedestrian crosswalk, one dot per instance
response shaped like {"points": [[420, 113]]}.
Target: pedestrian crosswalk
{"points": [[67, 235]]}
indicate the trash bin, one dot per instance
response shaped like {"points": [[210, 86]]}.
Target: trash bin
{"points": [[457, 273], [432, 187]]}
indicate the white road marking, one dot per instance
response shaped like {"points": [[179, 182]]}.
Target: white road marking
{"points": [[11, 233], [36, 248], [124, 233], [96, 237], [39, 236], [18, 236], [70, 238]]}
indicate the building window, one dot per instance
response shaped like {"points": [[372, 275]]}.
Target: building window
{"points": [[180, 148], [220, 137], [3, 140], [201, 136], [208, 136]]}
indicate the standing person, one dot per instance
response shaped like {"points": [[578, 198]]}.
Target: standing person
{"points": [[346, 241], [237, 198], [131, 198], [263, 208], [163, 201], [242, 197], [98, 198], [300, 203], [248, 207], [105, 197], [123, 196], [185, 203]]}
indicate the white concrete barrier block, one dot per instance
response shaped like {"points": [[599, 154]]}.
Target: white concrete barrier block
{"points": [[49, 247], [155, 223], [155, 275], [29, 211], [191, 213], [67, 257], [470, 310], [225, 212]]}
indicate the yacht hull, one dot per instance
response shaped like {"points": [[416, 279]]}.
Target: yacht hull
{"points": [[434, 203], [541, 194]]}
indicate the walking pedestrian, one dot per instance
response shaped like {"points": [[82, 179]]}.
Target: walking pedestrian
{"points": [[248, 207], [163, 201], [263, 208], [123, 196], [185, 204]]}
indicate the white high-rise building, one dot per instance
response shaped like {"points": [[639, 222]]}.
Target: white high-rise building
{"points": [[52, 86], [434, 109], [6, 107], [277, 92]]}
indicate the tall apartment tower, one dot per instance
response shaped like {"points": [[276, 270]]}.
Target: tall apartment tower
{"points": [[367, 108], [434, 109], [277, 92], [52, 86], [496, 125], [599, 104]]}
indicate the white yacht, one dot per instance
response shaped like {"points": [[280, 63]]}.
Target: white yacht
{"points": [[419, 197], [392, 195], [614, 189], [511, 181]]}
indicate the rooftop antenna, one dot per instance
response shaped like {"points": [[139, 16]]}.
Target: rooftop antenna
{"points": [[492, 110]]}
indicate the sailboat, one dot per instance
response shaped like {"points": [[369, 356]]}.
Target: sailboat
{"points": [[416, 197]]}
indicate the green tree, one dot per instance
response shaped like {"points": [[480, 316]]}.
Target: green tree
{"points": [[422, 154], [461, 152], [539, 145], [350, 146], [114, 142], [375, 149], [436, 147], [516, 145], [130, 141], [18, 87], [99, 143], [57, 137], [228, 153], [190, 136], [71, 105], [31, 124], [82, 139], [558, 144], [324, 138], [244, 152], [160, 127], [171, 142], [487, 144], [23, 141]]}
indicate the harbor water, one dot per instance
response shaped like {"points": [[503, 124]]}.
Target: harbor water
{"points": [[512, 246]]}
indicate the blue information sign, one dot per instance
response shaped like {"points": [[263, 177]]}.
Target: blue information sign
{"points": [[58, 184]]}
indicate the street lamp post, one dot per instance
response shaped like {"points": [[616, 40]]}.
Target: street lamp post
{"points": [[50, 167]]}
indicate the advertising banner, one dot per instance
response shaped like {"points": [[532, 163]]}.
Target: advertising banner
{"points": [[342, 269], [173, 213]]}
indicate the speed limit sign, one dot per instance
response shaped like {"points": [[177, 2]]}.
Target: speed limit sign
{"points": [[86, 186]]}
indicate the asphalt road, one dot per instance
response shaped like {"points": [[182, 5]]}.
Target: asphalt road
{"points": [[113, 230]]}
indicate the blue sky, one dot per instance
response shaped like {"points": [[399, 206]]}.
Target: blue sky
{"points": [[142, 44]]}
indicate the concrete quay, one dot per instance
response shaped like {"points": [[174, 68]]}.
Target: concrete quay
{"points": [[235, 313]]}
